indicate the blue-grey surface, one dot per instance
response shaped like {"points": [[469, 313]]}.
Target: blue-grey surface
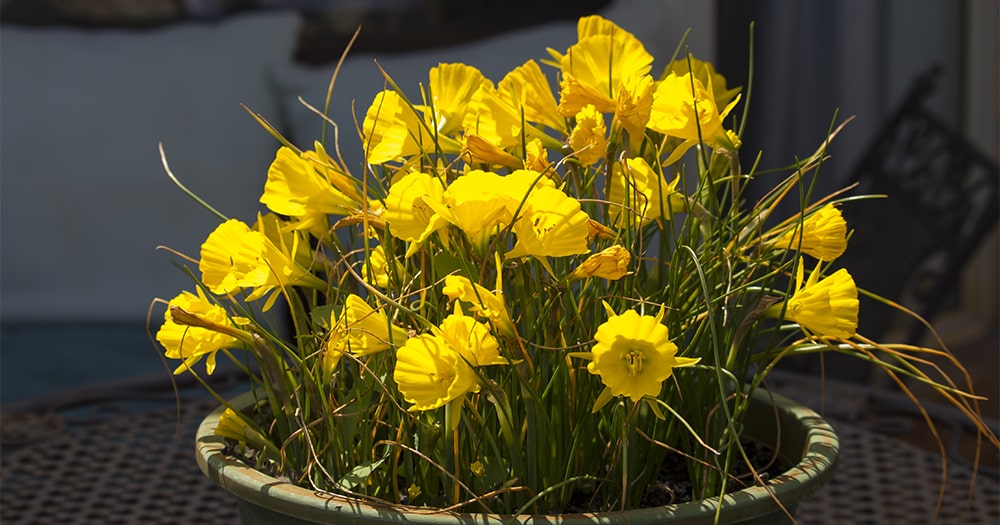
{"points": [[37, 358]]}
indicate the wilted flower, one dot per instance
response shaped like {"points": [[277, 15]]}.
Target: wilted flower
{"points": [[610, 263]]}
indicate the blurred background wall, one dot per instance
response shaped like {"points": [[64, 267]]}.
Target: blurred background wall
{"points": [[89, 89]]}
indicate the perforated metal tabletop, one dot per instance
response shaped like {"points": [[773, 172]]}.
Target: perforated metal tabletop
{"points": [[133, 463]]}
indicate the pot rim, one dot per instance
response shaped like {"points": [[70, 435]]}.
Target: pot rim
{"points": [[806, 433]]}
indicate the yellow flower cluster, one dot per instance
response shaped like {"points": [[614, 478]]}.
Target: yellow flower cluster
{"points": [[499, 262], [606, 92]]}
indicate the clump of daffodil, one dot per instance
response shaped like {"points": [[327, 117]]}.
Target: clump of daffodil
{"points": [[426, 314]]}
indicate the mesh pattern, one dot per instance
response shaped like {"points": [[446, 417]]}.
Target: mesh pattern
{"points": [[135, 468], [138, 467], [881, 481]]}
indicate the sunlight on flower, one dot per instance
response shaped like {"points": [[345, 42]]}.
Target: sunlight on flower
{"points": [[551, 224], [589, 137], [482, 302], [295, 188], [430, 373], [827, 307], [823, 235], [594, 67], [526, 86], [493, 119], [634, 355], [406, 211], [181, 340], [637, 189], [366, 330], [633, 104], [376, 268], [685, 109], [477, 150], [706, 74], [475, 204], [393, 130], [334, 174], [452, 87], [471, 339], [230, 253], [235, 257], [516, 187], [536, 157]]}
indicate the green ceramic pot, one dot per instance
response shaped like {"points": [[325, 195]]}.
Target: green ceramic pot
{"points": [[806, 440]]}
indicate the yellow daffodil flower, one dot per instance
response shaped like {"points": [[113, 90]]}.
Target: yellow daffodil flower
{"points": [[589, 138], [393, 130], [594, 67], [376, 267], [235, 257], [822, 235], [517, 186], [610, 263], [633, 355], [685, 109], [551, 224], [825, 307], [471, 339], [483, 302], [231, 426], [706, 74], [406, 211], [526, 87], [333, 350], [633, 105], [366, 331], [333, 172], [296, 188], [451, 88], [430, 373], [478, 150], [536, 157], [194, 327], [234, 426], [636, 188], [475, 204], [499, 129]]}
